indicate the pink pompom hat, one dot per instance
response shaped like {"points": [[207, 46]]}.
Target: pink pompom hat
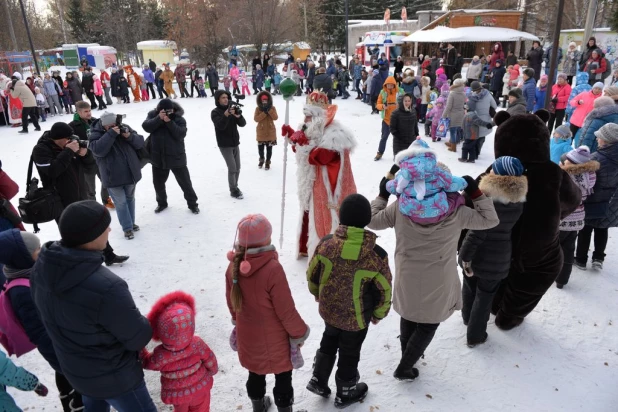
{"points": [[253, 231]]}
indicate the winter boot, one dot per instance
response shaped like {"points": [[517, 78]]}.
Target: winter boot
{"points": [[65, 400], [378, 156], [322, 368], [267, 165], [261, 405], [67, 110], [349, 392], [261, 162], [76, 404], [420, 339]]}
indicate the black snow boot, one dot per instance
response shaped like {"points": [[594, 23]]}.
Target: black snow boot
{"points": [[261, 162], [65, 400], [349, 392], [420, 339], [322, 368], [261, 405]]}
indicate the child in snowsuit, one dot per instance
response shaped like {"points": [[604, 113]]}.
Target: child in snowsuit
{"points": [[436, 115], [41, 103], [227, 81], [560, 143], [470, 148], [266, 134], [267, 84], [201, 87], [16, 377], [277, 82], [346, 308], [244, 84], [441, 80], [485, 255], [186, 363], [124, 89], [143, 88], [98, 91], [267, 323], [66, 97], [582, 170]]}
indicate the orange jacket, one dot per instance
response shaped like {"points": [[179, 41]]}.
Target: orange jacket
{"points": [[387, 99]]}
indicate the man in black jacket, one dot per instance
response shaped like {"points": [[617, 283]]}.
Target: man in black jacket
{"points": [[535, 59], [168, 130], [213, 79], [194, 73], [82, 120], [88, 86], [226, 121], [62, 163], [95, 327]]}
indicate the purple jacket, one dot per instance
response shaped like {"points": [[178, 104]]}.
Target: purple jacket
{"points": [[148, 75]]}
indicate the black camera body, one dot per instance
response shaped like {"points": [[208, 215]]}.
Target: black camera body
{"points": [[236, 106], [123, 128], [170, 113], [83, 144]]}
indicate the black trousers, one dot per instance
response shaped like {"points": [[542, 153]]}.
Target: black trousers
{"points": [[348, 344], [29, 112], [269, 151], [67, 394], [194, 86], [161, 90], [556, 119], [574, 129], [91, 97], [478, 295], [159, 177], [283, 390], [567, 243], [414, 338], [583, 244], [151, 89], [213, 89]]}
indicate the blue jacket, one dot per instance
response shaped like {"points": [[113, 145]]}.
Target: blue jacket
{"points": [[270, 70], [539, 97], [15, 377], [596, 119], [116, 156], [51, 87], [92, 320], [529, 93], [602, 205], [148, 75], [258, 81], [331, 70], [358, 72], [558, 147]]}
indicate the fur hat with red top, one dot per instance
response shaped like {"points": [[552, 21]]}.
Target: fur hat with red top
{"points": [[173, 320], [252, 231]]}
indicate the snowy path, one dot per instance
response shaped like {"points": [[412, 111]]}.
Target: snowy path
{"points": [[563, 358]]}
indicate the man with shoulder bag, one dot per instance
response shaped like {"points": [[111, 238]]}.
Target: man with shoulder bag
{"points": [[62, 161]]}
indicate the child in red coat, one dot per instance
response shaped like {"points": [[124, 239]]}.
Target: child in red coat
{"points": [[186, 363]]}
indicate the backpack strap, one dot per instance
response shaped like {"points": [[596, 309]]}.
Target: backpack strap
{"points": [[14, 283]]}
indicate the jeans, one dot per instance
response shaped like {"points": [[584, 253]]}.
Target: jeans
{"points": [[283, 390], [108, 97], [161, 90], [386, 130], [91, 182], [583, 244], [231, 155], [477, 295], [54, 104], [136, 400], [456, 133], [348, 344], [124, 199], [357, 88], [32, 113], [567, 243], [269, 151], [159, 177], [556, 118]]}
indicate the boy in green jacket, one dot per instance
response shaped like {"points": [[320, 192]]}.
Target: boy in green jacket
{"points": [[350, 277]]}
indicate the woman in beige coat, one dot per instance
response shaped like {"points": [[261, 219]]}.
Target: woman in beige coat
{"points": [[19, 90], [454, 111], [266, 133], [427, 288]]}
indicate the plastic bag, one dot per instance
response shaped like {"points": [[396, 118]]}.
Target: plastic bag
{"points": [[443, 127]]}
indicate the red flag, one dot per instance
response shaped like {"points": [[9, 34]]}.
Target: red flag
{"points": [[387, 16], [404, 15]]}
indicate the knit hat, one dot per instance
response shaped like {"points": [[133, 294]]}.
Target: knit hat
{"points": [[83, 222], [165, 104], [603, 101], [563, 132], [252, 231], [579, 155], [608, 133], [611, 91], [515, 92], [459, 82], [355, 211], [507, 166], [598, 85], [544, 77], [108, 119], [529, 72], [475, 86], [572, 44], [562, 76], [60, 130], [16, 248]]}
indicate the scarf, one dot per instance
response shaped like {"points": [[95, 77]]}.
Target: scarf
{"points": [[11, 273]]}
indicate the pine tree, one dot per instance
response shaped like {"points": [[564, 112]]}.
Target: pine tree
{"points": [[78, 21]]}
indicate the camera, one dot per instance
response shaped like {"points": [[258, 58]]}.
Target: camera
{"points": [[83, 144], [123, 128], [236, 106]]}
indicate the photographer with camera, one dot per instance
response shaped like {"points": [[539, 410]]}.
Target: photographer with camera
{"points": [[168, 128], [226, 117], [115, 146], [62, 161], [82, 121]]}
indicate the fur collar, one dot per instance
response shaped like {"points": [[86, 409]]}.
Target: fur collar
{"points": [[603, 111], [413, 150], [505, 189], [591, 166]]}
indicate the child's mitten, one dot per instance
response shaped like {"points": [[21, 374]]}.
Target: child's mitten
{"points": [[234, 340]]}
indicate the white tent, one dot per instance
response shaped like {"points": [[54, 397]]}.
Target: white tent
{"points": [[468, 34]]}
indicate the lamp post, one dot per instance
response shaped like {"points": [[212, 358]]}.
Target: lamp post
{"points": [[23, 12], [346, 34]]}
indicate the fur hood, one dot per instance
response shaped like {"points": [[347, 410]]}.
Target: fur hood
{"points": [[505, 189], [413, 150], [165, 317], [258, 98], [178, 110], [578, 169], [602, 112]]}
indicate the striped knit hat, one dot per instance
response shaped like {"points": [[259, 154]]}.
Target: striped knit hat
{"points": [[507, 166]]}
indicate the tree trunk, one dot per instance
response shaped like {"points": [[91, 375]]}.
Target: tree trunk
{"points": [[9, 21], [61, 17]]}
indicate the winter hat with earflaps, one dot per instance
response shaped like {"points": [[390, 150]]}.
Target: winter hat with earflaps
{"points": [[172, 319], [579, 155], [252, 231], [563, 132]]}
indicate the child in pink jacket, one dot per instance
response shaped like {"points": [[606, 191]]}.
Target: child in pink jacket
{"points": [[186, 363], [98, 92], [436, 114]]}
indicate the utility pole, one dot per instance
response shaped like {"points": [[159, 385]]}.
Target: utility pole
{"points": [[9, 21], [553, 65], [590, 16], [23, 12], [305, 13], [524, 23], [346, 35]]}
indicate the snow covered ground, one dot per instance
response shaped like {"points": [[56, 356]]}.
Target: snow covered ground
{"points": [[563, 358]]}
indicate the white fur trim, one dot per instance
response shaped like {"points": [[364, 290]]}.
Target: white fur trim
{"points": [[412, 151], [337, 137], [313, 111]]}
